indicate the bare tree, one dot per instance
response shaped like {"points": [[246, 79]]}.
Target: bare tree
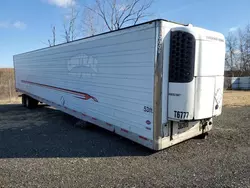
{"points": [[231, 59], [69, 25], [238, 52], [118, 13], [244, 47], [89, 25], [53, 41]]}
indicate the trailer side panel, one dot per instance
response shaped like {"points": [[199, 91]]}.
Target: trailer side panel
{"points": [[107, 78]]}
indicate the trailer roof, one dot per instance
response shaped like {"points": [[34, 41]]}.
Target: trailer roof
{"points": [[155, 20]]}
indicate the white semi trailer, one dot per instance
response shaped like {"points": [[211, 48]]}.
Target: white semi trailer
{"points": [[157, 83]]}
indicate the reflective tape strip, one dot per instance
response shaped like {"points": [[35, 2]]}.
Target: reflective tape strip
{"points": [[124, 130], [142, 137]]}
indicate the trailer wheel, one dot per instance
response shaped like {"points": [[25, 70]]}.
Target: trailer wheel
{"points": [[30, 102], [24, 100], [34, 103]]}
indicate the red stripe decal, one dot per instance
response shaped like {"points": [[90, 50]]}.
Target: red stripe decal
{"points": [[81, 95], [143, 138], [87, 98], [124, 130]]}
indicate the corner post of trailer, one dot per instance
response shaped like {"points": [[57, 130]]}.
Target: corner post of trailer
{"points": [[158, 71]]}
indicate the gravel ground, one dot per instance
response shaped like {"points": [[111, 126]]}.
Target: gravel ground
{"points": [[41, 148]]}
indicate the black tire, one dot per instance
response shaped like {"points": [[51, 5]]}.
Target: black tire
{"points": [[24, 100], [30, 102], [34, 103]]}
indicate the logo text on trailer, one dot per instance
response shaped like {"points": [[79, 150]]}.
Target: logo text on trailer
{"points": [[82, 65], [215, 38]]}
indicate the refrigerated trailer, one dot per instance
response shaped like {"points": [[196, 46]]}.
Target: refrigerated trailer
{"points": [[157, 83]]}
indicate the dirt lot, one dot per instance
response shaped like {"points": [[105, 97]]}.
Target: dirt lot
{"points": [[236, 98], [41, 148]]}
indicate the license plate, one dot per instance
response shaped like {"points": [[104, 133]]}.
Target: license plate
{"points": [[182, 126]]}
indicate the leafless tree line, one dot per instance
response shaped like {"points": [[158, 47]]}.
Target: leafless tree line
{"points": [[238, 52], [99, 16]]}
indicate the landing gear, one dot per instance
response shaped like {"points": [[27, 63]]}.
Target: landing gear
{"points": [[203, 136]]}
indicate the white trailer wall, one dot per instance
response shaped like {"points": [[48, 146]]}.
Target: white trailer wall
{"points": [[109, 77]]}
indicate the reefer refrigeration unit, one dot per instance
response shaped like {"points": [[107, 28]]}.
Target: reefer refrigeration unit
{"points": [[157, 83]]}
